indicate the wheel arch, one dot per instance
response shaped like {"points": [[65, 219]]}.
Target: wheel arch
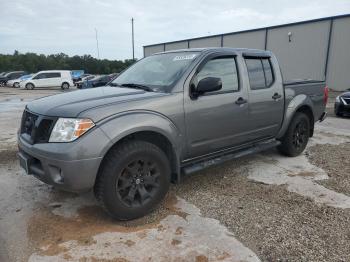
{"points": [[301, 103], [157, 139], [145, 126], [29, 83]]}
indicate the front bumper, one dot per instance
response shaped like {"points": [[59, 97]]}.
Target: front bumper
{"points": [[10, 83], [340, 108], [68, 166]]}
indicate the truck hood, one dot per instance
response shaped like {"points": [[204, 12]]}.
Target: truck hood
{"points": [[71, 104]]}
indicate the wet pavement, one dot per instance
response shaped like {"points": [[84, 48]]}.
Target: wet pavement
{"points": [[227, 213]]}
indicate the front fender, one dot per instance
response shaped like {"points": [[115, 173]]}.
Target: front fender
{"points": [[123, 124], [292, 107]]}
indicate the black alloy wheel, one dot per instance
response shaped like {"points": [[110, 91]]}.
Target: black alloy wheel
{"points": [[297, 135], [138, 182], [133, 179], [300, 134]]}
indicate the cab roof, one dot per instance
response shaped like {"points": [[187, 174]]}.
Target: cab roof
{"points": [[243, 51]]}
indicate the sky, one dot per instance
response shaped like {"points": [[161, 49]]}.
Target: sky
{"points": [[49, 27]]}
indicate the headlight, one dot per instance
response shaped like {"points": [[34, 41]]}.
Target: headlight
{"points": [[69, 129], [337, 99]]}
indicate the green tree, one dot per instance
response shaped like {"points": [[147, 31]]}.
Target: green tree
{"points": [[33, 63]]}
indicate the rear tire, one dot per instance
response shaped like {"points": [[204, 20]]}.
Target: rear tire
{"points": [[64, 86], [297, 136], [133, 179], [16, 85], [30, 86]]}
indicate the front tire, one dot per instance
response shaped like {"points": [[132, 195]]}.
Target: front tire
{"points": [[30, 86], [133, 180], [337, 112], [16, 85], [297, 136]]}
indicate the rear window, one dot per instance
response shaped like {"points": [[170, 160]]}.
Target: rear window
{"points": [[268, 71], [259, 73]]}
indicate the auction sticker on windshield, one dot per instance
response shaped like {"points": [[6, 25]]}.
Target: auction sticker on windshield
{"points": [[184, 57]]}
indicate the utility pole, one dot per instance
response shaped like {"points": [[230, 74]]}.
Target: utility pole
{"points": [[98, 50], [132, 38]]}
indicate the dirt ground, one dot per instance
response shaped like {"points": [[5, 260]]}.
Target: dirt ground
{"points": [[263, 207]]}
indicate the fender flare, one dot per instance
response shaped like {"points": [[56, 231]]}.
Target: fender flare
{"points": [[294, 105], [121, 125]]}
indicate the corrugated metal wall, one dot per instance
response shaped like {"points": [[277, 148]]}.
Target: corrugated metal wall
{"points": [[338, 73], [315, 49], [305, 55], [176, 45], [254, 40], [153, 49], [206, 42]]}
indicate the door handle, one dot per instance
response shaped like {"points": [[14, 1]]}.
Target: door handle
{"points": [[241, 101], [276, 96]]}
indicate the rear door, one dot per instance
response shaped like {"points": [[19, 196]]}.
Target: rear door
{"points": [[55, 79], [266, 97], [214, 120]]}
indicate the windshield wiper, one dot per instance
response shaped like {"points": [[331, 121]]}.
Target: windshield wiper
{"points": [[113, 84], [137, 86]]}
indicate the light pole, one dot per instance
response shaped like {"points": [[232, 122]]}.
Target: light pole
{"points": [[132, 38], [98, 50]]}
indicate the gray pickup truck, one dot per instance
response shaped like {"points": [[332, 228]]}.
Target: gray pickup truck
{"points": [[168, 115]]}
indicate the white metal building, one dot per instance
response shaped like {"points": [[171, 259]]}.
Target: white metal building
{"points": [[317, 49]]}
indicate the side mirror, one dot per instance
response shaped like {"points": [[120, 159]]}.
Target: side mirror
{"points": [[208, 84]]}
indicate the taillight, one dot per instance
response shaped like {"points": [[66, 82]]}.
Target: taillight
{"points": [[325, 95]]}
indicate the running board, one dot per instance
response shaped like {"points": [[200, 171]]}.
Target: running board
{"points": [[256, 148]]}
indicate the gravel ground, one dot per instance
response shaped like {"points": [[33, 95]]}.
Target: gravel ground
{"points": [[275, 224], [334, 159]]}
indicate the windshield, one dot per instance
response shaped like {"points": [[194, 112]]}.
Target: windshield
{"points": [[158, 72]]}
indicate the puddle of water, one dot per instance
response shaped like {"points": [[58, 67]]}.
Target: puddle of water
{"points": [[298, 174], [181, 234]]}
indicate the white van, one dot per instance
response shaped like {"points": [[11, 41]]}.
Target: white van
{"points": [[50, 78]]}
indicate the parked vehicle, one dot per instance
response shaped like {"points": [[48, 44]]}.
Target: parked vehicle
{"points": [[17, 81], [11, 75], [97, 81], [50, 78], [76, 75], [342, 104], [80, 83], [80, 78], [113, 75], [168, 115]]}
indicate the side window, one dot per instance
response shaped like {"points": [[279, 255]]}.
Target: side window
{"points": [[268, 71], [13, 76], [39, 76], [52, 75], [55, 75], [259, 73], [224, 68], [255, 74]]}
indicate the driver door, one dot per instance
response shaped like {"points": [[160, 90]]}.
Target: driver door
{"points": [[38, 80], [216, 120]]}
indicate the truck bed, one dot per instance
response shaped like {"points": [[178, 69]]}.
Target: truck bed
{"points": [[314, 89]]}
